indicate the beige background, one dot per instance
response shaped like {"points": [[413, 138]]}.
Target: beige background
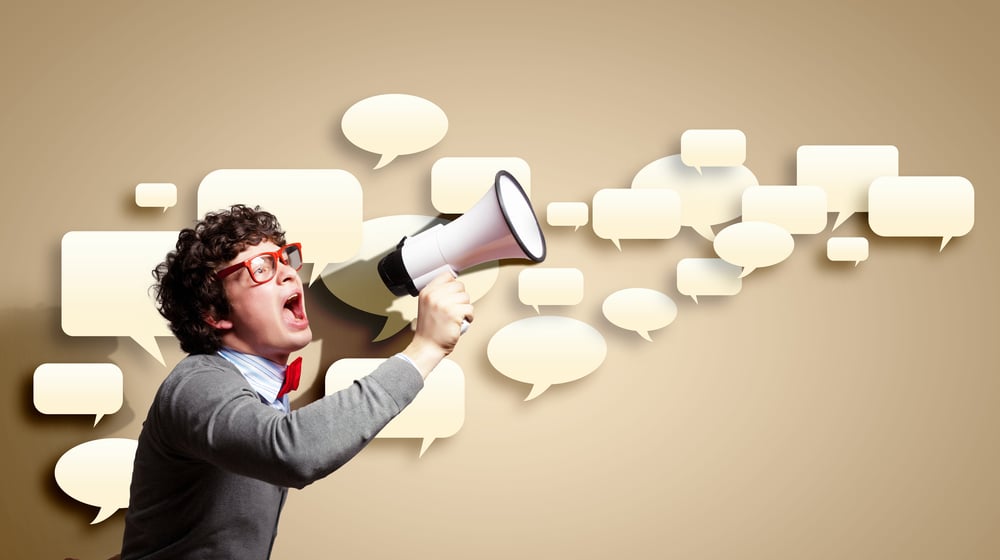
{"points": [[827, 411]]}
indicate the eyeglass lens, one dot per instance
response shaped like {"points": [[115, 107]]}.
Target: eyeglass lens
{"points": [[263, 267]]}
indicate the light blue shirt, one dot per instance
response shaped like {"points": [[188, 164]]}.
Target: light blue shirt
{"points": [[265, 376]]}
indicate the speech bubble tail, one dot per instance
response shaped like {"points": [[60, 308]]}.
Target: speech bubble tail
{"points": [[705, 231], [841, 218], [698, 169], [856, 263], [425, 444], [746, 271], [165, 209], [535, 307], [102, 515], [393, 324], [149, 345], [645, 335], [97, 419], [317, 272], [535, 391], [944, 241], [695, 298], [577, 228], [618, 243], [386, 160]]}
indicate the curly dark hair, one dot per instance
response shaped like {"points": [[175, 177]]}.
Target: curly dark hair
{"points": [[187, 290]]}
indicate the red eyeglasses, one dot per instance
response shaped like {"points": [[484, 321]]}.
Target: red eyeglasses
{"points": [[263, 267]]}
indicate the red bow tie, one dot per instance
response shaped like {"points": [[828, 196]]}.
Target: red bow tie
{"points": [[292, 374]]}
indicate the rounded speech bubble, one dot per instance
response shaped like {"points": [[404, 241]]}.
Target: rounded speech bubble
{"points": [[550, 286], [713, 148], [562, 214], [156, 195], [636, 214], [753, 245], [98, 473], [640, 310], [394, 124], [708, 277], [845, 173], [78, 389], [458, 183], [850, 249], [546, 350], [798, 209], [921, 207]]}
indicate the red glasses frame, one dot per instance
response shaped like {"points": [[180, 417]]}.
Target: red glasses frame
{"points": [[281, 255]]}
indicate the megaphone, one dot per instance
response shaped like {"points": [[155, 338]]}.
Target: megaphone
{"points": [[502, 225]]}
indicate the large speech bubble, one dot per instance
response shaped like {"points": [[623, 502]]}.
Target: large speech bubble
{"points": [[850, 249], [799, 210], [942, 207], [708, 277], [91, 389], [550, 286], [640, 310], [394, 124], [356, 282], [320, 208], [713, 148], [106, 281], [438, 411], [458, 183], [98, 473], [753, 245], [711, 197], [156, 195], [563, 214], [636, 214], [546, 350], [845, 173]]}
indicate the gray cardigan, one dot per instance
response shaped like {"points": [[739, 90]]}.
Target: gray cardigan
{"points": [[214, 462]]}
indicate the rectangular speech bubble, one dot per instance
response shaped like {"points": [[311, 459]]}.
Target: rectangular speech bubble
{"points": [[636, 214], [847, 249], [550, 286], [921, 207], [457, 183], [845, 173], [799, 210], [713, 148], [561, 214], [708, 277], [90, 389], [156, 195]]}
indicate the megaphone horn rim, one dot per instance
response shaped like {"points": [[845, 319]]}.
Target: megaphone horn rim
{"points": [[510, 224]]}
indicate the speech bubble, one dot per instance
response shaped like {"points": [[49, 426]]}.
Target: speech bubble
{"points": [[438, 411], [458, 183], [847, 249], [106, 281], [845, 173], [799, 210], [320, 208], [711, 197], [754, 245], [98, 473], [561, 214], [394, 124], [636, 214], [356, 281], [708, 277], [640, 310], [156, 195], [545, 351], [942, 207], [713, 148], [550, 286], [92, 389]]}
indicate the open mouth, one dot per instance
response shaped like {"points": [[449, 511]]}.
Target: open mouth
{"points": [[294, 306]]}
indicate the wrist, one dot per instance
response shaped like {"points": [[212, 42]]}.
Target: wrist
{"points": [[424, 356]]}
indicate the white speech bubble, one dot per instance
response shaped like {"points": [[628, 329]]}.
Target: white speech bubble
{"points": [[711, 197], [563, 214], [394, 124], [106, 281], [320, 208], [713, 148], [458, 183], [708, 277], [550, 286], [754, 245], [438, 411], [91, 389], [156, 195], [356, 281], [851, 249], [845, 173], [942, 207], [546, 350], [799, 210], [636, 214], [98, 473], [640, 310]]}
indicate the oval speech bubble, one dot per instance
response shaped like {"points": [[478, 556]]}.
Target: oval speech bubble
{"points": [[753, 245], [394, 124], [640, 310], [78, 389], [98, 473]]}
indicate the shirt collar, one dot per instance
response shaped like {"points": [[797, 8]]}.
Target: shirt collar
{"points": [[265, 376]]}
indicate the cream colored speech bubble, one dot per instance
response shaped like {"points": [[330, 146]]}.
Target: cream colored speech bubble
{"points": [[458, 183], [98, 473], [106, 281], [708, 277], [799, 210], [845, 172], [754, 245], [394, 124], [546, 350], [942, 207], [438, 411], [156, 195], [550, 286], [356, 282], [562, 214], [320, 208], [640, 310], [711, 197], [636, 214], [713, 148], [91, 389], [852, 249]]}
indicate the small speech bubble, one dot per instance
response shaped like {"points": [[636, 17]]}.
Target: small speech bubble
{"points": [[708, 277], [636, 214], [550, 286], [320, 208], [156, 195], [845, 173], [574, 214], [711, 197], [754, 245], [458, 183], [91, 389], [438, 411], [922, 207], [713, 148], [851, 249], [799, 210], [106, 280], [394, 124], [98, 473], [640, 310], [546, 350]]}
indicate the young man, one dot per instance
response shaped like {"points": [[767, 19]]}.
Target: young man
{"points": [[219, 447]]}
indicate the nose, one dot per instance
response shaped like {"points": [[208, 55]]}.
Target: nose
{"points": [[286, 273]]}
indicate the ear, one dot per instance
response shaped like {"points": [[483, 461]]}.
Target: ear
{"points": [[219, 324]]}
